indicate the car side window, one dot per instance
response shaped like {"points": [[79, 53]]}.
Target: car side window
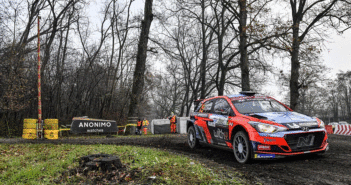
{"points": [[222, 105], [207, 106]]}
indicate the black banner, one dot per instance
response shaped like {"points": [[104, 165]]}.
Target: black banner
{"points": [[88, 125]]}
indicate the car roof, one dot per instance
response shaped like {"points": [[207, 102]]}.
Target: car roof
{"points": [[246, 95], [240, 96]]}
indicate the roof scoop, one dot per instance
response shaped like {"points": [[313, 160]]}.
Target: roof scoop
{"points": [[248, 93]]}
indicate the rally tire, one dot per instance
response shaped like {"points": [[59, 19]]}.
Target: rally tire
{"points": [[241, 147], [193, 142]]}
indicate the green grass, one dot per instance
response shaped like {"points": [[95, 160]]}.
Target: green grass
{"points": [[43, 163]]}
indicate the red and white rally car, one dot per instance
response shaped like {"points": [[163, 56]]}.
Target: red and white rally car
{"points": [[255, 126]]}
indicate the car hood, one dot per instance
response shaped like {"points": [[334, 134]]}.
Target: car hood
{"points": [[286, 117]]}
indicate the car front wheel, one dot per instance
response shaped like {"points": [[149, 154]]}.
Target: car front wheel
{"points": [[241, 147], [192, 141]]}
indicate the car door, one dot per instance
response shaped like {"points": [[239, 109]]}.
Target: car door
{"points": [[219, 127], [202, 122]]}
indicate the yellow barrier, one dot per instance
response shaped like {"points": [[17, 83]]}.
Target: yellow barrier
{"points": [[51, 129], [51, 134], [51, 124], [30, 123], [29, 128], [29, 134]]}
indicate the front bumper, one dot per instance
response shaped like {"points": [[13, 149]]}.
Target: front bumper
{"points": [[288, 143]]}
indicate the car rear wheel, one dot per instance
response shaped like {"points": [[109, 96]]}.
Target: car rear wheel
{"points": [[241, 147], [192, 141]]}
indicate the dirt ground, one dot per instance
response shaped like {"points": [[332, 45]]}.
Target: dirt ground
{"points": [[333, 167]]}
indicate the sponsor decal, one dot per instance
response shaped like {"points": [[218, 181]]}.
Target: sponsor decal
{"points": [[278, 134], [266, 140], [263, 147], [219, 134], [264, 156], [306, 141], [219, 120], [231, 124], [211, 124], [308, 124], [223, 122]]}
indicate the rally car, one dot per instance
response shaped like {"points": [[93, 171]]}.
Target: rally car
{"points": [[255, 126]]}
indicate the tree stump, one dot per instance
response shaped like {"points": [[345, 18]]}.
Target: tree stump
{"points": [[100, 162]]}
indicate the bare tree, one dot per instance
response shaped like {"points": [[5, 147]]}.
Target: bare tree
{"points": [[138, 80], [308, 16]]}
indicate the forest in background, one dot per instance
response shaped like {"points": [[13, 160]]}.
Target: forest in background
{"points": [[195, 49]]}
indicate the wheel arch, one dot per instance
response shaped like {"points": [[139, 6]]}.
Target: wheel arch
{"points": [[189, 123], [238, 128]]}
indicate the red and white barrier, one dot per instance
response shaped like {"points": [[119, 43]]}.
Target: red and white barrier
{"points": [[342, 129]]}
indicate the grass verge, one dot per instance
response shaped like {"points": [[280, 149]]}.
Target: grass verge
{"points": [[46, 164]]}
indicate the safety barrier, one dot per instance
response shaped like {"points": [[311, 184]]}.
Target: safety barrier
{"points": [[51, 134], [51, 129], [51, 124], [329, 129], [128, 129], [162, 126], [342, 129], [29, 128]]}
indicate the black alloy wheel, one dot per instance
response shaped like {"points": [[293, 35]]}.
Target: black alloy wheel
{"points": [[192, 141], [241, 147]]}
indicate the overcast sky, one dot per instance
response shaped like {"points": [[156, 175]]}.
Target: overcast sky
{"points": [[338, 55]]}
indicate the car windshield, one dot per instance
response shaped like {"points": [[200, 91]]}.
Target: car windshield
{"points": [[258, 106]]}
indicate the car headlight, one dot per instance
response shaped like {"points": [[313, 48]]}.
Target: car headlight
{"points": [[266, 128], [320, 123]]}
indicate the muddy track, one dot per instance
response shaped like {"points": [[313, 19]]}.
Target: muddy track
{"points": [[334, 167]]}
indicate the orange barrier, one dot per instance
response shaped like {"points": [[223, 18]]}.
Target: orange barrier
{"points": [[329, 129]]}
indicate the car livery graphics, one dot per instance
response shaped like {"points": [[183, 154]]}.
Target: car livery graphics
{"points": [[255, 127]]}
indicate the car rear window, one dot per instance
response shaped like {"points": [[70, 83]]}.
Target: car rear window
{"points": [[258, 106]]}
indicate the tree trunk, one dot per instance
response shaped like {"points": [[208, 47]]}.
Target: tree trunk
{"points": [[204, 53], [138, 80], [244, 63], [295, 67]]}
